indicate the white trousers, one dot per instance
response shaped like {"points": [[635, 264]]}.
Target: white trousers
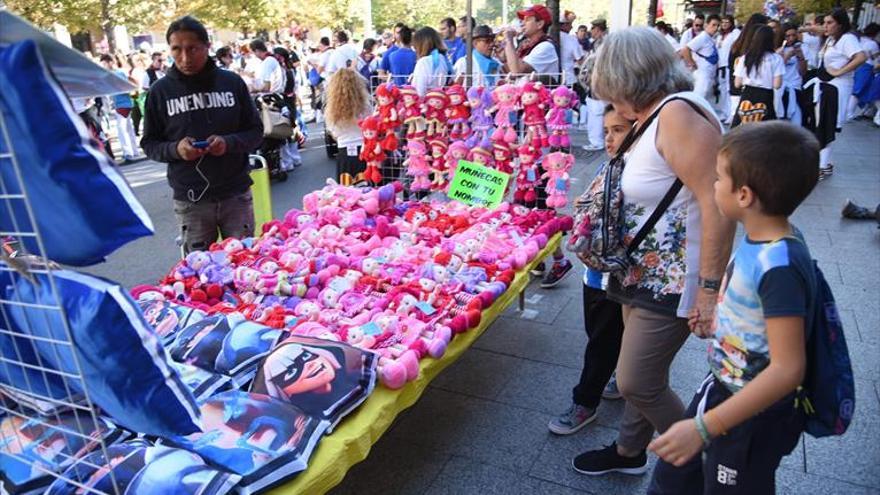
{"points": [[125, 132], [725, 112], [703, 82], [595, 116]]}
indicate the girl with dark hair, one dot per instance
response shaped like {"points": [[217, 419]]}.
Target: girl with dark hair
{"points": [[737, 50], [759, 73], [432, 67], [840, 57]]}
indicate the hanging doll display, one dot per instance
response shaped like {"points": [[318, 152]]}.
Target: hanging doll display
{"points": [[411, 113], [457, 113], [557, 166], [417, 165], [435, 105], [439, 169], [479, 101], [505, 107], [386, 111], [372, 153], [527, 179]]}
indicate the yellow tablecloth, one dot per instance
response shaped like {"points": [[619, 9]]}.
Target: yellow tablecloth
{"points": [[352, 439]]}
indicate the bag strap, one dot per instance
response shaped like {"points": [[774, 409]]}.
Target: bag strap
{"points": [[674, 189]]}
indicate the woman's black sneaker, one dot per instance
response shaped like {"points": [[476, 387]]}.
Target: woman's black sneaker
{"points": [[607, 460], [557, 272]]}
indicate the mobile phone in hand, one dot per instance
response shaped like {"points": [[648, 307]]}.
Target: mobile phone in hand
{"points": [[200, 144]]}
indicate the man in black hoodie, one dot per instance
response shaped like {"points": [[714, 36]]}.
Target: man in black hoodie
{"points": [[203, 123]]}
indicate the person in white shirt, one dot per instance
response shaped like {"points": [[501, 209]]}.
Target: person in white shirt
{"points": [[759, 73], [864, 75], [485, 67], [727, 36], [535, 52], [570, 51], [666, 31], [432, 66], [811, 37], [701, 55], [841, 56], [593, 110], [692, 32], [793, 78], [343, 56], [270, 77]]}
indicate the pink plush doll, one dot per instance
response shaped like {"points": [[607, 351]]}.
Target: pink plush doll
{"points": [[457, 113], [560, 116], [417, 166], [482, 155], [411, 113], [439, 168], [435, 105], [386, 111], [557, 166], [372, 153], [458, 150], [506, 101], [527, 179], [534, 100], [503, 154]]}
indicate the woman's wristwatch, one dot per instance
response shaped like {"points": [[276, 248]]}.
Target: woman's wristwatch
{"points": [[709, 284]]}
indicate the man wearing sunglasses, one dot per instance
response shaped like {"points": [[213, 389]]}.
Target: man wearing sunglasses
{"points": [[695, 29]]}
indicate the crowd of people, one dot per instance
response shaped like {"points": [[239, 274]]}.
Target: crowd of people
{"points": [[657, 101]]}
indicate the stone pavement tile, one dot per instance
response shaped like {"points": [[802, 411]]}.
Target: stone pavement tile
{"points": [[795, 460], [863, 303], [553, 464], [862, 274], [391, 468], [463, 475], [540, 387], [788, 481], [478, 373], [542, 305], [855, 456], [536, 341], [850, 327], [865, 361], [494, 433]]}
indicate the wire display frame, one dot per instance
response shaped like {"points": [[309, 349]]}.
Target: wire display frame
{"points": [[45, 435], [393, 167]]}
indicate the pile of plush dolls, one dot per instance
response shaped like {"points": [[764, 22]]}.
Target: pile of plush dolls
{"points": [[357, 266], [479, 125]]}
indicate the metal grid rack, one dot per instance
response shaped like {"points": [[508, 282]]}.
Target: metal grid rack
{"points": [[393, 168], [71, 419]]}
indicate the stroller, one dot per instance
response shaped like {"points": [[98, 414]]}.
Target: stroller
{"points": [[278, 130]]}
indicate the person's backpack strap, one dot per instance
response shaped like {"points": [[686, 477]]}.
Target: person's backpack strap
{"points": [[674, 189]]}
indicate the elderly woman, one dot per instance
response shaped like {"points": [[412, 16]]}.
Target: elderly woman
{"points": [[677, 268]]}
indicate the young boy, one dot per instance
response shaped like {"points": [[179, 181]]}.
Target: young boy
{"points": [[603, 323], [743, 416]]}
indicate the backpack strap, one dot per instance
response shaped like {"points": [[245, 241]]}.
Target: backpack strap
{"points": [[674, 189]]}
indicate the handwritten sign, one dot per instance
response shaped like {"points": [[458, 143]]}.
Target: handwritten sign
{"points": [[476, 185]]}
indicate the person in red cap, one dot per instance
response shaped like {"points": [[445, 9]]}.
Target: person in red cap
{"points": [[536, 52]]}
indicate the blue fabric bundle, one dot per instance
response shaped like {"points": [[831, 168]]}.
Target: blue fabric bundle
{"points": [[124, 366], [83, 207]]}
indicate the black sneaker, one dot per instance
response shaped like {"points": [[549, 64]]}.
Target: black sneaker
{"points": [[538, 270], [557, 272], [607, 460]]}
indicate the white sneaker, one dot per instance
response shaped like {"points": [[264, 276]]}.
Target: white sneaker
{"points": [[592, 147]]}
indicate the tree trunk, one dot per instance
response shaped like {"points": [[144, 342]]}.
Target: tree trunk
{"points": [[107, 26], [652, 12]]}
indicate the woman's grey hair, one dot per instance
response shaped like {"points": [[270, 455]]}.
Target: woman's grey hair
{"points": [[637, 65]]}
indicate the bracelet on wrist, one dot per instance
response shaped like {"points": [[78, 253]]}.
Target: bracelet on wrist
{"points": [[702, 430]]}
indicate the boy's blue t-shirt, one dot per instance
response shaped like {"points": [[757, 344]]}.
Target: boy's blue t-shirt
{"points": [[455, 49], [401, 64], [763, 280]]}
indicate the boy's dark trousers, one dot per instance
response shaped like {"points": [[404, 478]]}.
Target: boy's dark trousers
{"points": [[603, 321], [742, 461]]}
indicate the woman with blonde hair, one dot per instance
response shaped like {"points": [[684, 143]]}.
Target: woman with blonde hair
{"points": [[671, 285], [432, 67], [347, 101]]}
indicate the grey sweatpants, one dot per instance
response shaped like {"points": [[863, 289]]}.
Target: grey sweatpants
{"points": [[201, 222]]}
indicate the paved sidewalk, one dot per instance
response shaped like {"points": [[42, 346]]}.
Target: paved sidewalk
{"points": [[481, 427]]}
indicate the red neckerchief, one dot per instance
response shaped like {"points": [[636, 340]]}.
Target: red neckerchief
{"points": [[525, 47]]}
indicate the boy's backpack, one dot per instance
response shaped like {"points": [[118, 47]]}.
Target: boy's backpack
{"points": [[827, 395], [598, 234]]}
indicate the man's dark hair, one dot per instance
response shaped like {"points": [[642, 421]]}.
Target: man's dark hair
{"points": [[399, 25], [156, 54], [341, 37], [258, 46], [841, 17], [223, 51], [730, 18], [187, 23], [788, 26], [449, 21], [463, 20], [369, 44], [601, 24], [700, 17], [105, 57], [713, 17], [405, 35], [325, 41], [871, 30], [777, 160]]}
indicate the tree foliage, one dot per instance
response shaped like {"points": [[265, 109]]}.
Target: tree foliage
{"points": [[745, 8], [388, 12]]}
